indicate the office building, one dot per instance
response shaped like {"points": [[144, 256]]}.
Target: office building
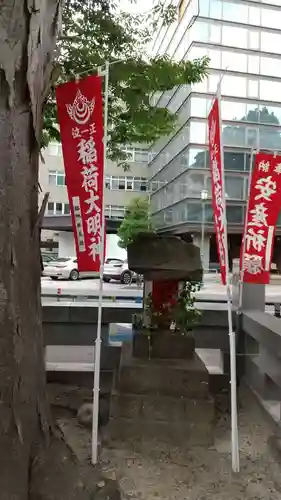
{"points": [[243, 41], [120, 187]]}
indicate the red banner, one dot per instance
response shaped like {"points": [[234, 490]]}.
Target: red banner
{"points": [[260, 223], [81, 127], [218, 192]]}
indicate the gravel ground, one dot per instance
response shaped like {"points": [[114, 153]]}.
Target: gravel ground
{"points": [[203, 474]]}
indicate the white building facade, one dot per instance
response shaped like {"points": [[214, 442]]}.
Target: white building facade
{"points": [[243, 41], [120, 188]]}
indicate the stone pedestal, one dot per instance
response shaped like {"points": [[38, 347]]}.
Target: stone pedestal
{"points": [[162, 344], [161, 403]]}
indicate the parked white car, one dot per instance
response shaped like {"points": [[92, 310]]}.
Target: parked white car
{"points": [[66, 268], [117, 269]]}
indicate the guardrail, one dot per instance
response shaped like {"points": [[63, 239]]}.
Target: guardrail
{"points": [[67, 297], [270, 306]]}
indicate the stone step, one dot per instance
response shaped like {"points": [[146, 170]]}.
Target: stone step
{"points": [[138, 433], [161, 408], [188, 379]]}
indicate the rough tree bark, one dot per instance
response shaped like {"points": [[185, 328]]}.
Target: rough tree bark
{"points": [[34, 461]]}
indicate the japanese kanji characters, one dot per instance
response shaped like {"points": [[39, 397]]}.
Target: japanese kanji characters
{"points": [[255, 239], [264, 166], [90, 178], [91, 201], [263, 210], [87, 156], [95, 247], [277, 168], [253, 263], [87, 151], [218, 195], [80, 112], [267, 187], [259, 215], [94, 224]]}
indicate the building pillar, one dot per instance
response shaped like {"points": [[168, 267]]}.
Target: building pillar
{"points": [[252, 299], [206, 250]]}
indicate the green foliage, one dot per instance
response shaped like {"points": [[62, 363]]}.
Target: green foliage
{"points": [[95, 31], [185, 314], [180, 311], [137, 220]]}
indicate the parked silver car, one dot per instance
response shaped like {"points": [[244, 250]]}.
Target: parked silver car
{"points": [[66, 268], [117, 269]]}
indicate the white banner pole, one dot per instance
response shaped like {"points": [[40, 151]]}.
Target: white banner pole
{"points": [[96, 389], [241, 279], [232, 336]]}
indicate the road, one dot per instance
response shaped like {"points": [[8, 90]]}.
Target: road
{"points": [[114, 292]]}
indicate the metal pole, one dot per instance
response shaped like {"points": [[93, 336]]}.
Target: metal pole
{"points": [[244, 233], [203, 235], [232, 336], [96, 390]]}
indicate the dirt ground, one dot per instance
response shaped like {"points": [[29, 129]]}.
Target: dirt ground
{"points": [[205, 474], [202, 474]]}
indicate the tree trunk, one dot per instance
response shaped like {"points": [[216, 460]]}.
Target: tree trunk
{"points": [[31, 456]]}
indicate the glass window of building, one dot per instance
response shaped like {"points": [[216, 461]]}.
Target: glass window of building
{"points": [[252, 112], [234, 61], [254, 15], [51, 208], [213, 81], [270, 88], [234, 187], [194, 212], [60, 179], [66, 209], [215, 58], [195, 184], [140, 155], [253, 39], [198, 107], [234, 86], [214, 33], [253, 88], [271, 115], [234, 37], [197, 132], [114, 183], [254, 64], [234, 214], [271, 18], [235, 12], [233, 110], [56, 178], [216, 9], [269, 138], [197, 158], [270, 66], [234, 135], [55, 149], [234, 161], [271, 42], [59, 208], [52, 178]]}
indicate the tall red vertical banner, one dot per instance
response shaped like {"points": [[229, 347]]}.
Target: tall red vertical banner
{"points": [[218, 191], [263, 209], [80, 115]]}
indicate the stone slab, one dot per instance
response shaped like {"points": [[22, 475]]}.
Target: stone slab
{"points": [[162, 408], [132, 433], [187, 379]]}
